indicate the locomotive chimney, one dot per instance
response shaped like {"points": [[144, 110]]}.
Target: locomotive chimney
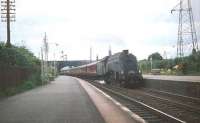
{"points": [[125, 51]]}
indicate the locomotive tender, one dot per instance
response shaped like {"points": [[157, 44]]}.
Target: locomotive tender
{"points": [[120, 68]]}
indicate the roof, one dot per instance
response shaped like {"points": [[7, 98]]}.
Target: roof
{"points": [[82, 66]]}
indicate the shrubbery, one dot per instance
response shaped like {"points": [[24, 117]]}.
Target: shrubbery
{"points": [[17, 56], [20, 57], [189, 65]]}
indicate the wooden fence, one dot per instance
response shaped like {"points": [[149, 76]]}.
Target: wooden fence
{"points": [[12, 76]]}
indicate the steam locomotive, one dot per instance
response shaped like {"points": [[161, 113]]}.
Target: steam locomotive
{"points": [[120, 68]]}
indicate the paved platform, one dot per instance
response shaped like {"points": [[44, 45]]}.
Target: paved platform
{"points": [[66, 100], [62, 101], [174, 78]]}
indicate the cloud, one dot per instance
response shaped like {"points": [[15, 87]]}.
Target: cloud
{"points": [[142, 26], [108, 40]]}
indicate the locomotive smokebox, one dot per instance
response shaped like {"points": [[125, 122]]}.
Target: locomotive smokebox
{"points": [[125, 51]]}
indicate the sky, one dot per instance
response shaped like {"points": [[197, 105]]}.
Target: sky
{"points": [[141, 26]]}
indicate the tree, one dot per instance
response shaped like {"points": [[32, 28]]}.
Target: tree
{"points": [[155, 56]]}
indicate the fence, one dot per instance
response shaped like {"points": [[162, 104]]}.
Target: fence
{"points": [[12, 76]]}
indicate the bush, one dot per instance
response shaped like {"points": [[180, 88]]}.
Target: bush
{"points": [[28, 85], [145, 66], [20, 57], [186, 65]]}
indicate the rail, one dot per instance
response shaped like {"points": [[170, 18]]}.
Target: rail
{"points": [[147, 112]]}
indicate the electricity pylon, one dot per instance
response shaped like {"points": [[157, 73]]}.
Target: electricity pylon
{"points": [[8, 15], [186, 28]]}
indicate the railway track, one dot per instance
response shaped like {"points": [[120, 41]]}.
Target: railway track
{"points": [[151, 108], [148, 113], [189, 102]]}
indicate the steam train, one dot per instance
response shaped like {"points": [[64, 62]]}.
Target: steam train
{"points": [[120, 68]]}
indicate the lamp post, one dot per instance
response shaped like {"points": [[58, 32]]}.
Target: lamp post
{"points": [[42, 66], [151, 63], [54, 60]]}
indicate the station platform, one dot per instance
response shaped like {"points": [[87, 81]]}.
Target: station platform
{"points": [[180, 85], [65, 100], [174, 78]]}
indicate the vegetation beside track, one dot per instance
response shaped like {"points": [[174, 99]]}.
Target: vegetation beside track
{"points": [[188, 65], [19, 70]]}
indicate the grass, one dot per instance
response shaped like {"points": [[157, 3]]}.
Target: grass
{"points": [[18, 89]]}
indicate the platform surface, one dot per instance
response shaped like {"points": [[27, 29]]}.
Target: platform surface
{"points": [[175, 78], [62, 101]]}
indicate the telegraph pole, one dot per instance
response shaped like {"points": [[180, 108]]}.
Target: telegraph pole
{"points": [[8, 24], [8, 15]]}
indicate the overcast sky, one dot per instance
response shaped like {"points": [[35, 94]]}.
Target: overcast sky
{"points": [[142, 26]]}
